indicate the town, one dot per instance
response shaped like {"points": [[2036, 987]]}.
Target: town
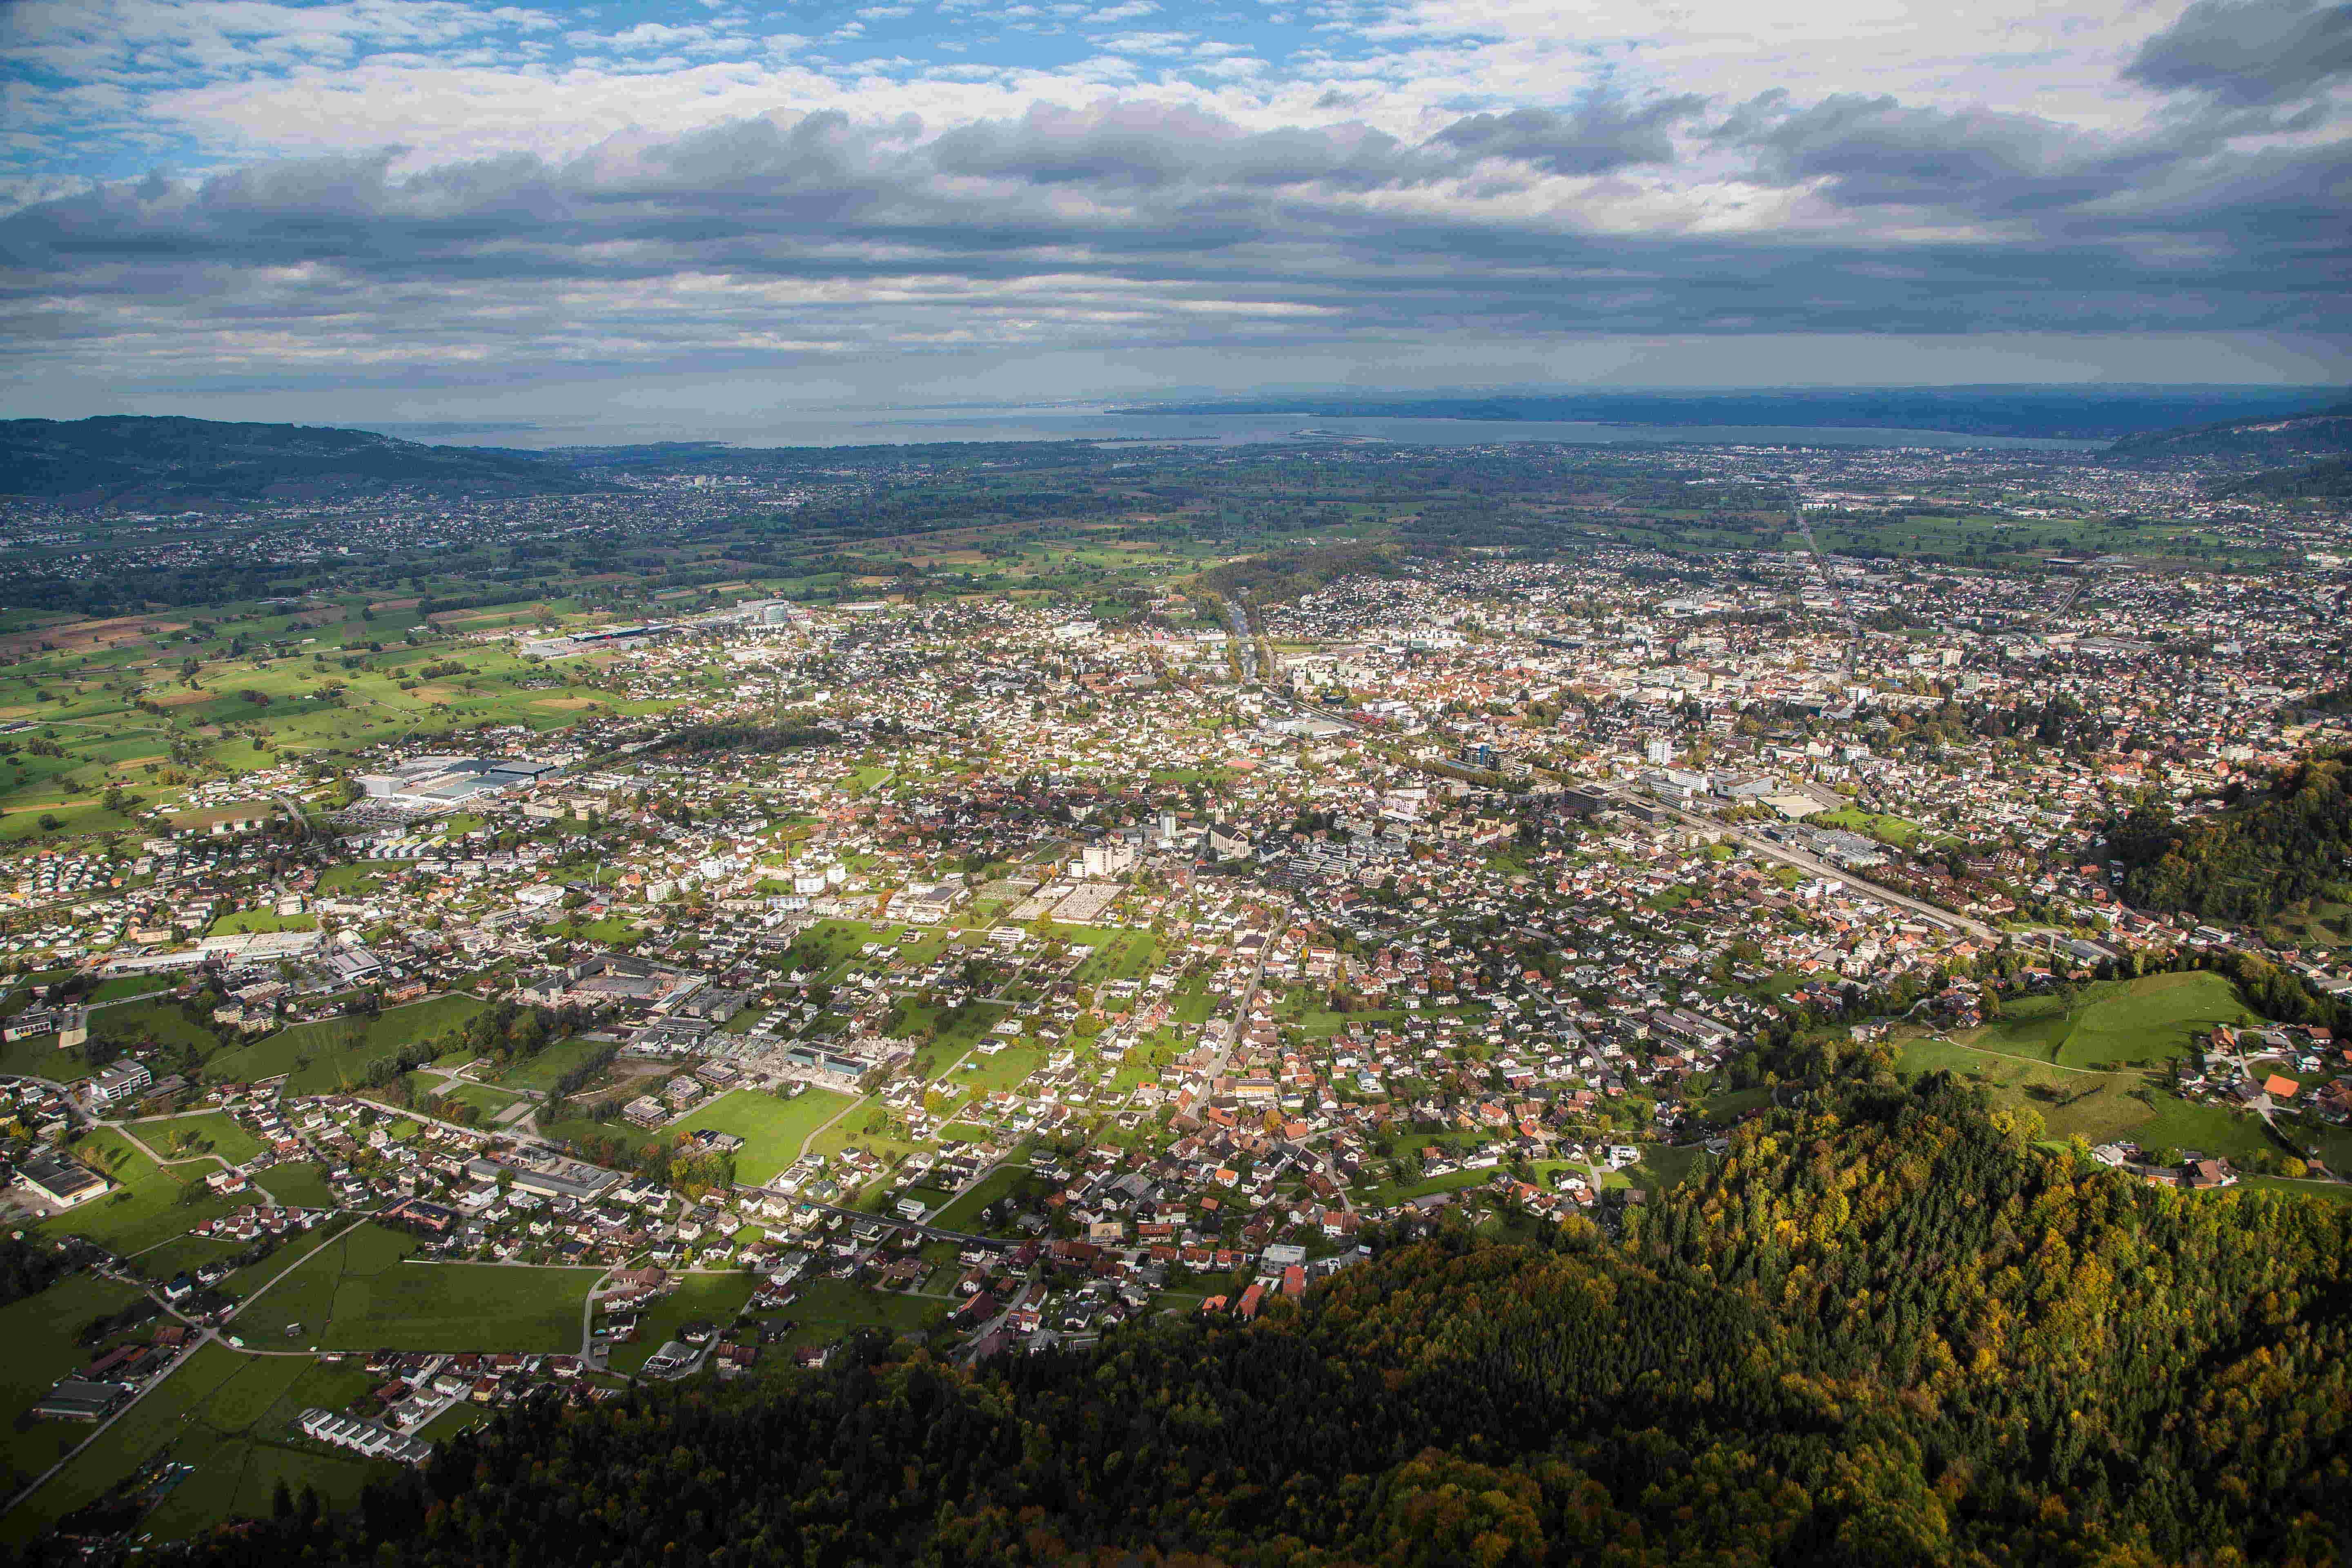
{"points": [[999, 936]]}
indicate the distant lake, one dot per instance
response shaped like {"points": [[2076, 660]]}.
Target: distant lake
{"points": [[903, 426]]}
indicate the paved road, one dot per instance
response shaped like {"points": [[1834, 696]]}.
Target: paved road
{"points": [[1804, 862], [205, 1336]]}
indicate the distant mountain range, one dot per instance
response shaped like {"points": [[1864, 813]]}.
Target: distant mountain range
{"points": [[137, 460], [2069, 413]]}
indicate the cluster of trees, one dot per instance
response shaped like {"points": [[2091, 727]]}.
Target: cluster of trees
{"points": [[2266, 849], [1885, 1330], [26, 1269]]}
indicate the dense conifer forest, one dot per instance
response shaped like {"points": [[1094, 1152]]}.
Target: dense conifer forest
{"points": [[1890, 1328]]}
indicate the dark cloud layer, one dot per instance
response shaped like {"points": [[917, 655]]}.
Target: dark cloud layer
{"points": [[1136, 224], [2249, 52]]}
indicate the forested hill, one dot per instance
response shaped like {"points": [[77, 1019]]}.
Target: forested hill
{"points": [[2269, 848], [1896, 1333], [2329, 479], [133, 460], [2315, 432]]}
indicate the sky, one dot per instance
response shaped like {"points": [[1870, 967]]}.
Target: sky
{"points": [[427, 209]]}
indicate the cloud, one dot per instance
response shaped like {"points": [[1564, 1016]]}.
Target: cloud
{"points": [[2249, 52], [1133, 223], [1605, 133], [406, 188]]}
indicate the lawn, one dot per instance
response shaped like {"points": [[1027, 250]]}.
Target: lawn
{"points": [[359, 1293], [334, 1054], [302, 1186], [715, 1298], [773, 1130]]}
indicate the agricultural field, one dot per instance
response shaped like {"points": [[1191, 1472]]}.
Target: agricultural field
{"points": [[360, 1292], [43, 1335], [2123, 1022], [2098, 1106], [149, 704], [230, 1418]]}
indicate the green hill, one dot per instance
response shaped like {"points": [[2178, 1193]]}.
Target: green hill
{"points": [[2267, 849], [2329, 479], [2319, 433], [133, 460]]}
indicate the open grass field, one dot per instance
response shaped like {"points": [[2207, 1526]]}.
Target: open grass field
{"points": [[483, 1097], [360, 1292], [1663, 1166], [2122, 1021], [957, 1034], [537, 1074], [2097, 1107], [191, 1137], [979, 1073], [336, 1053], [963, 1213], [158, 1022], [37, 1056], [773, 1130], [299, 1185], [1899, 831], [1118, 956]]}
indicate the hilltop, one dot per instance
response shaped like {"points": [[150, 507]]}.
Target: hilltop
{"points": [[2319, 433], [136, 461]]}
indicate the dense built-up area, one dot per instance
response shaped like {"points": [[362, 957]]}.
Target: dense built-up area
{"points": [[1006, 964]]}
